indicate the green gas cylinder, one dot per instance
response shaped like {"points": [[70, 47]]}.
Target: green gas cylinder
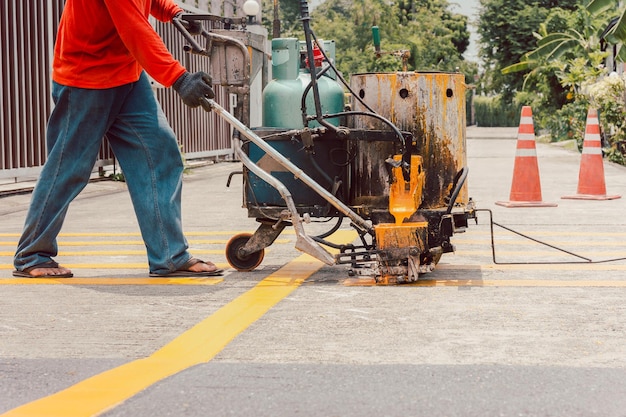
{"points": [[282, 97]]}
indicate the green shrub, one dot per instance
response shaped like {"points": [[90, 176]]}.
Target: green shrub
{"points": [[492, 112]]}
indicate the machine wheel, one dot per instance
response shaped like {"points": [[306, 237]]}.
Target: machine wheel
{"points": [[242, 263]]}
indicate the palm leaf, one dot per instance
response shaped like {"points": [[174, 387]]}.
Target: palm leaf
{"points": [[600, 6], [553, 46], [618, 33], [520, 66], [621, 54]]}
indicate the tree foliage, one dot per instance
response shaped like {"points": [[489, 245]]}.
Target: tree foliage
{"points": [[615, 23], [435, 37], [506, 30]]}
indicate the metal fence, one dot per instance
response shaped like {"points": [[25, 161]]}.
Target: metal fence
{"points": [[27, 34]]}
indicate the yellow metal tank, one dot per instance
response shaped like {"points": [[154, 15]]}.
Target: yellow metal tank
{"points": [[430, 105]]}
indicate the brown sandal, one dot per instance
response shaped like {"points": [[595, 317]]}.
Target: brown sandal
{"points": [[184, 271], [26, 273]]}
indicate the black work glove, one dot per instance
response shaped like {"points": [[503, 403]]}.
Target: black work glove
{"points": [[194, 27], [193, 87]]}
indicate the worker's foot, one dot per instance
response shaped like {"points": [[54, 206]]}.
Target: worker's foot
{"points": [[202, 266], [49, 269], [193, 268]]}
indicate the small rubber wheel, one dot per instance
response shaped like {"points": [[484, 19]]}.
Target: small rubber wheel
{"points": [[242, 263]]}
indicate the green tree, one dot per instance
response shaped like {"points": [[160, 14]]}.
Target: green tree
{"points": [[579, 38], [506, 29], [567, 55], [288, 15], [435, 37]]}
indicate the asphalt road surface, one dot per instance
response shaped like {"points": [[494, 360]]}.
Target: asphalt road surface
{"points": [[297, 338]]}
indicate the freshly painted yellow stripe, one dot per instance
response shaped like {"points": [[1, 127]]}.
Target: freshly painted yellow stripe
{"points": [[122, 252], [95, 253], [546, 252], [499, 233], [126, 251], [524, 242], [355, 282], [540, 267], [111, 281], [138, 265], [518, 283], [83, 234], [63, 243], [134, 234], [526, 253], [104, 266], [471, 232], [198, 345]]}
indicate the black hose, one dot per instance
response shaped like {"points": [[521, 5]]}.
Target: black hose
{"points": [[457, 184], [304, 12], [309, 36]]}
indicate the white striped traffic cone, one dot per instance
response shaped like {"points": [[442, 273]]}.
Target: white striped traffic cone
{"points": [[526, 187], [591, 184]]}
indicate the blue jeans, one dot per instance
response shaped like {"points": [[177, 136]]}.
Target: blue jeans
{"points": [[147, 151]]}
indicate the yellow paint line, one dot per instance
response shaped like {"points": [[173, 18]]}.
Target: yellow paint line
{"points": [[122, 252], [534, 233], [353, 282], [544, 252], [198, 345], [94, 253], [524, 242], [541, 267], [471, 232], [63, 243], [111, 281], [518, 283], [135, 234], [104, 266]]}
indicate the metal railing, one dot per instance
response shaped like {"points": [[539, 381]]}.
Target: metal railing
{"points": [[27, 34]]}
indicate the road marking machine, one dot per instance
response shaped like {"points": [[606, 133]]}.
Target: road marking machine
{"points": [[391, 158]]}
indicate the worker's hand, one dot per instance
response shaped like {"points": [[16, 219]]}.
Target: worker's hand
{"points": [[194, 27], [193, 87]]}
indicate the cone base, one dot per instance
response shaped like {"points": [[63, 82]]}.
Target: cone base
{"points": [[513, 204], [591, 197]]}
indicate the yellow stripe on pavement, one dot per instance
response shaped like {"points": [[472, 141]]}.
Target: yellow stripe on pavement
{"points": [[122, 252], [582, 266], [517, 283], [534, 233], [136, 242], [527, 253], [198, 345], [461, 242], [104, 266], [135, 234], [112, 281], [537, 283], [547, 252]]}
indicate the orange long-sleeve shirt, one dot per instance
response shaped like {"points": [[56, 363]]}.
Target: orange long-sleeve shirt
{"points": [[107, 43]]}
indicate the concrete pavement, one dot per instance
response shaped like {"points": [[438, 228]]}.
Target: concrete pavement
{"points": [[289, 338]]}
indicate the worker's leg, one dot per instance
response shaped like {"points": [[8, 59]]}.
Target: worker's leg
{"points": [[146, 148], [74, 134]]}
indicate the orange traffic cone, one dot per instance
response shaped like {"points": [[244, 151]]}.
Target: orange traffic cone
{"points": [[526, 187], [591, 184]]}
